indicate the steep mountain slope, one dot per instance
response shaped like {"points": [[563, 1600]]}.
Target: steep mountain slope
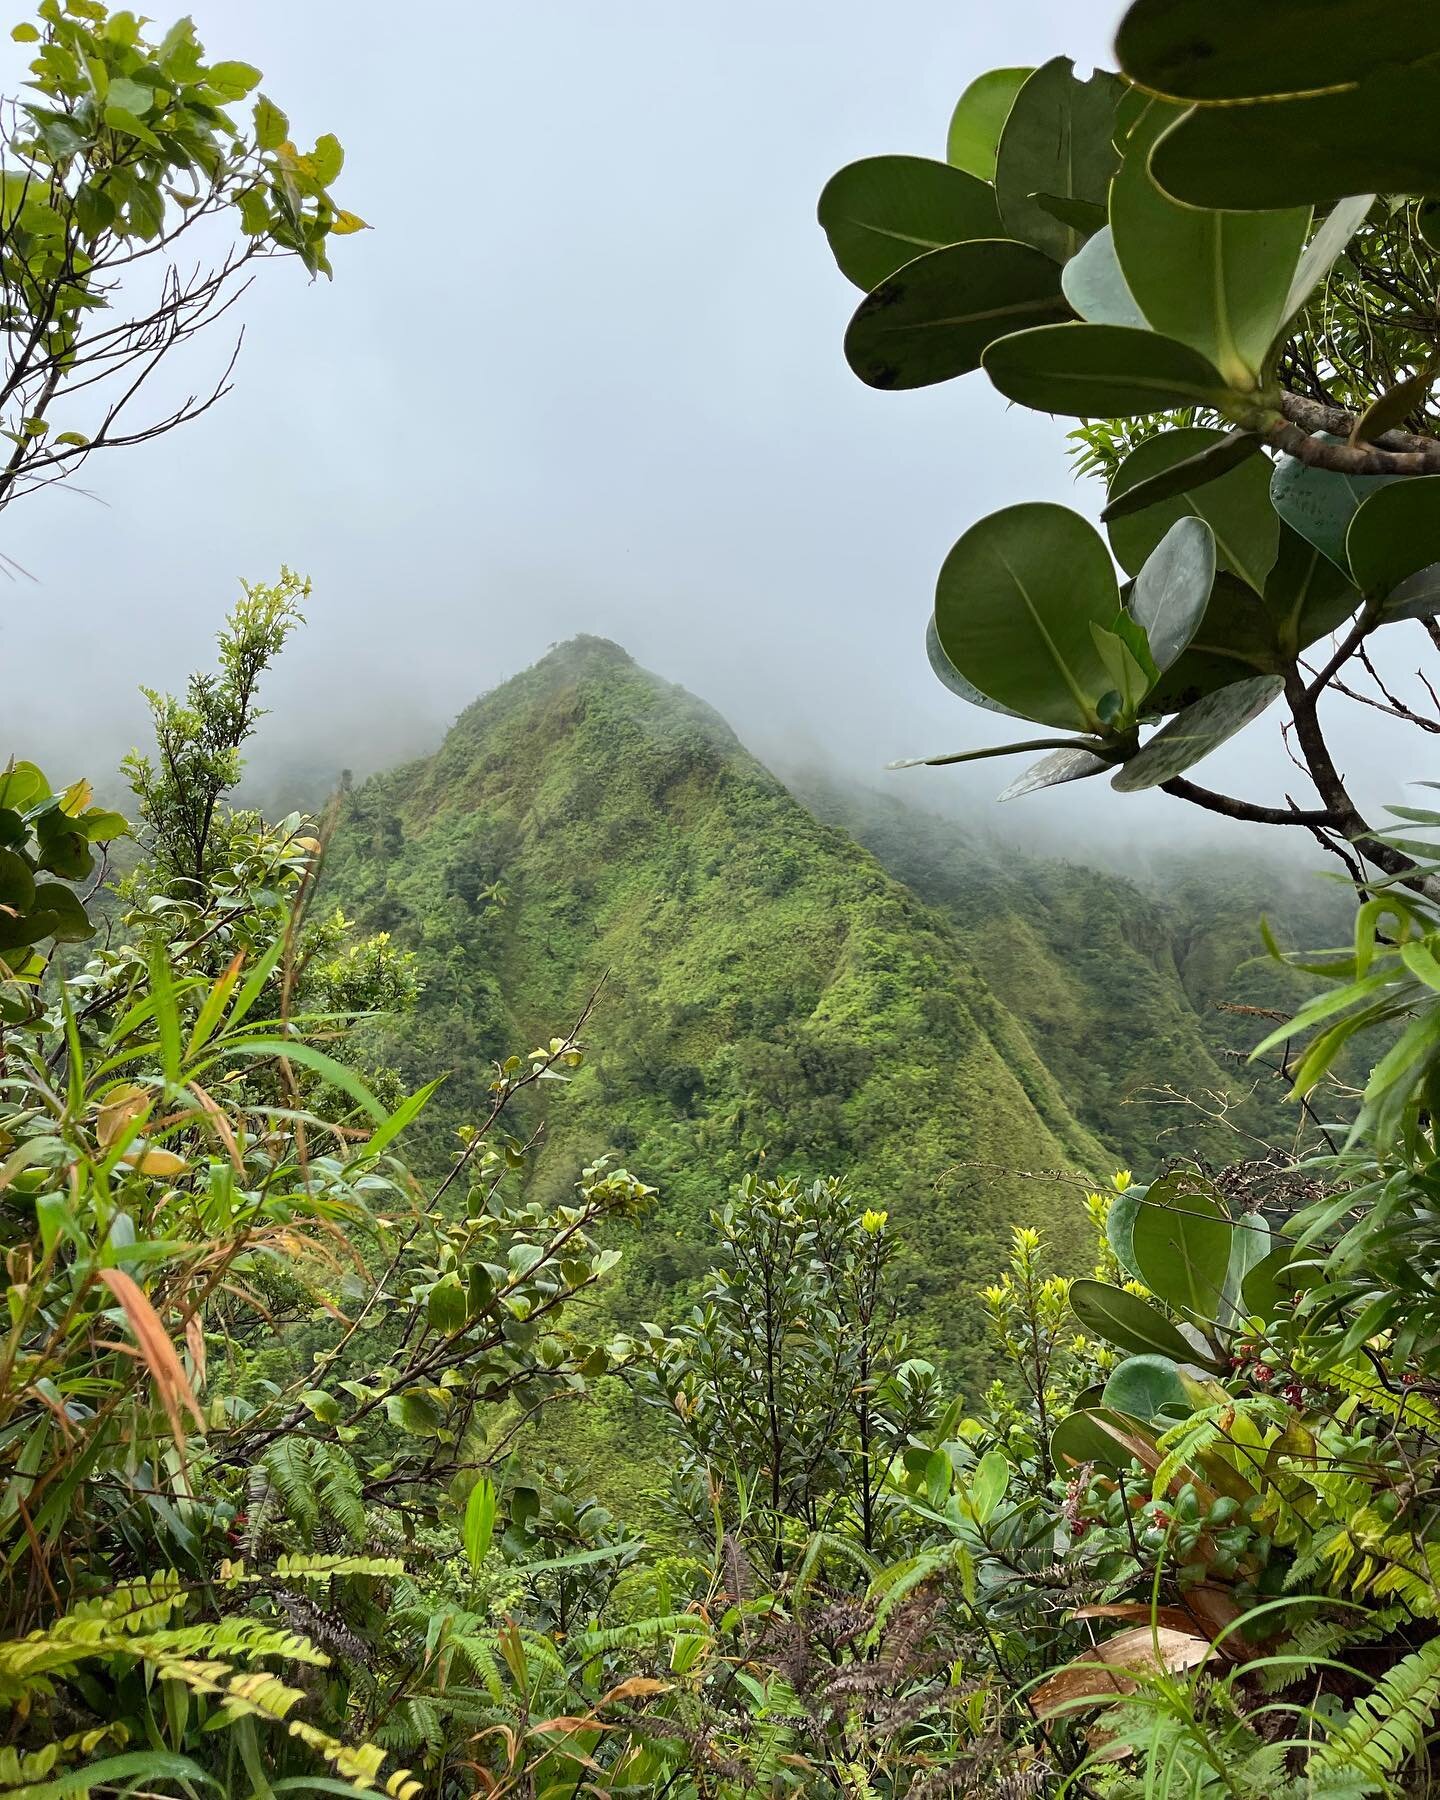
{"points": [[1128, 984], [773, 996]]}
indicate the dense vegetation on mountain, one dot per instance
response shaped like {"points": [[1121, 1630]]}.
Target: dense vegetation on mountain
{"points": [[1128, 984], [771, 997]]}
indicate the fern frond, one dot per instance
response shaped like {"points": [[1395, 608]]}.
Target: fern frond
{"points": [[1388, 1726]]}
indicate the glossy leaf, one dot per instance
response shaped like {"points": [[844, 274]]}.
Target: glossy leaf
{"points": [[882, 213], [979, 118], [1217, 281], [1182, 1244], [1320, 503], [1144, 1386], [1235, 505], [1058, 139], [1059, 766], [1394, 533], [932, 320], [1100, 371], [1093, 283], [1126, 1321], [1194, 732], [1172, 590], [1377, 138], [1235, 50], [1014, 606]]}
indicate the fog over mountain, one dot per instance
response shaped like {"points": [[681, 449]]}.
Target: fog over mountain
{"points": [[584, 374]]}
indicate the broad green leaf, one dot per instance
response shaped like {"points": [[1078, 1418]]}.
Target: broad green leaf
{"points": [[130, 96], [1092, 1436], [987, 1484], [1236, 50], [22, 786], [1093, 283], [1057, 140], [1100, 371], [232, 80], [479, 1527], [882, 213], [1086, 217], [1235, 505], [1394, 533], [1052, 770], [946, 672], [1217, 281], [1143, 1386], [1120, 1227], [1181, 1240], [1249, 1247], [1013, 609], [445, 1307], [64, 904], [1306, 596], [932, 320], [420, 1411], [1235, 641], [1126, 1321], [1376, 138], [979, 118], [1194, 732], [1320, 503], [1172, 590], [271, 126]]}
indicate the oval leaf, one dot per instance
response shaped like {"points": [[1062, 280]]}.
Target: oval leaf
{"points": [[932, 320], [882, 213], [1377, 138], [1182, 1244], [1144, 1386], [1173, 587], [1126, 1321], [1013, 609], [1058, 140], [1235, 50], [979, 118], [1059, 766], [1100, 371], [1394, 533]]}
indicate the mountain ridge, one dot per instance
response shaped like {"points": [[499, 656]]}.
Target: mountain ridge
{"points": [[775, 994]]}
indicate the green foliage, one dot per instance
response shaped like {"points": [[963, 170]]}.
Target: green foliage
{"points": [[1193, 290], [120, 146]]}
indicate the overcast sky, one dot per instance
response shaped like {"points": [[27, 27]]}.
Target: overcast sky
{"points": [[584, 374]]}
